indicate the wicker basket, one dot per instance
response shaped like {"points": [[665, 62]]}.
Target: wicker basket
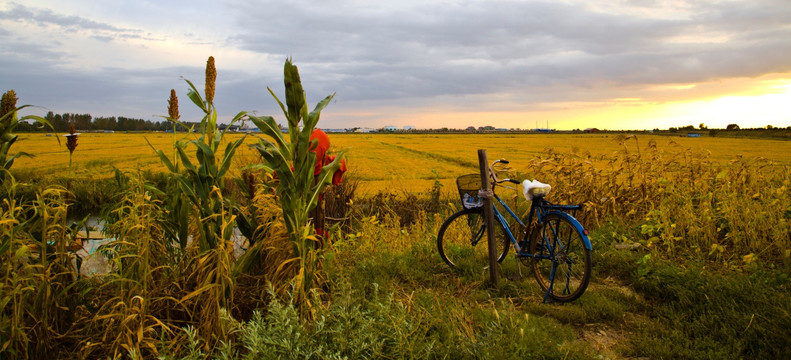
{"points": [[468, 186]]}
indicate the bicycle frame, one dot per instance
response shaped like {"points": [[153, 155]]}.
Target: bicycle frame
{"points": [[540, 208]]}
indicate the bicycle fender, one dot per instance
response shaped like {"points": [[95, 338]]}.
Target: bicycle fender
{"points": [[577, 225]]}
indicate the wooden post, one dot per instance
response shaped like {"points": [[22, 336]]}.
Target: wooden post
{"points": [[486, 194]]}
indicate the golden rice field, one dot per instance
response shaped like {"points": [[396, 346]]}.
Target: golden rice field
{"points": [[677, 202], [394, 162]]}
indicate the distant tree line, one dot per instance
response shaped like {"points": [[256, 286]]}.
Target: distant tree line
{"points": [[85, 122]]}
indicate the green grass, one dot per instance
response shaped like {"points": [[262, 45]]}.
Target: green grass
{"points": [[710, 314], [391, 296]]}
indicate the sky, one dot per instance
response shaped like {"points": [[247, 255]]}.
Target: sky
{"points": [[565, 64]]}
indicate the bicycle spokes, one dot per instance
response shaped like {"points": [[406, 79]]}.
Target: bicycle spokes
{"points": [[462, 240], [476, 237], [561, 262]]}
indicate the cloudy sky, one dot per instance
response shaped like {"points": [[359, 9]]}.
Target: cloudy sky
{"points": [[615, 64]]}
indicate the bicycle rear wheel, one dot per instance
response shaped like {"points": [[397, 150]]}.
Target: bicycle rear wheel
{"points": [[560, 259], [462, 240]]}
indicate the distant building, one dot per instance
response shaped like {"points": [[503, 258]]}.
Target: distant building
{"points": [[228, 128], [390, 128], [591, 130], [693, 134], [408, 127]]}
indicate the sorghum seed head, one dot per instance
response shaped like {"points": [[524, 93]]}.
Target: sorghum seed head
{"points": [[211, 77], [173, 106], [71, 139], [8, 102]]}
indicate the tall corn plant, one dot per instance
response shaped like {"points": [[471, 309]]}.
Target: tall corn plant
{"points": [[298, 190], [202, 184]]}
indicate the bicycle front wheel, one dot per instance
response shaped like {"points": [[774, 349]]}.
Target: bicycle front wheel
{"points": [[560, 260], [462, 240]]}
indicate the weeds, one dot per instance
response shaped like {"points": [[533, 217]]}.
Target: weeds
{"points": [[142, 262], [38, 297], [379, 326]]}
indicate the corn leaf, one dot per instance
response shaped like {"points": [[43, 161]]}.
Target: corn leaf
{"points": [[229, 151], [195, 96], [313, 117]]}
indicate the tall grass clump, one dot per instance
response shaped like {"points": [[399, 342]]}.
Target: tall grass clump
{"points": [[38, 294], [291, 160], [143, 283]]}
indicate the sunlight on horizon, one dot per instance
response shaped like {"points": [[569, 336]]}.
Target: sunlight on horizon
{"points": [[760, 103]]}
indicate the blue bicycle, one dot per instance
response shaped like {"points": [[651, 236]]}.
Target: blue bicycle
{"points": [[553, 242]]}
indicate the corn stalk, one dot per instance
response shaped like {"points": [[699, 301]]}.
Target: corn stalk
{"points": [[298, 190]]}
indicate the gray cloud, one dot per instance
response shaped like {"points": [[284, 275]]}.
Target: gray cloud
{"points": [[465, 55], [143, 93], [67, 23], [47, 17], [506, 46], [20, 49]]}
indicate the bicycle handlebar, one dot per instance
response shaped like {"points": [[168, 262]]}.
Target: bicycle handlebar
{"points": [[493, 174]]}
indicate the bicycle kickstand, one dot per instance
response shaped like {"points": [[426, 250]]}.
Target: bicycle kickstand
{"points": [[551, 284]]}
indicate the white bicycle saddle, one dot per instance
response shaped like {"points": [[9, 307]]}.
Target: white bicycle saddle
{"points": [[535, 189]]}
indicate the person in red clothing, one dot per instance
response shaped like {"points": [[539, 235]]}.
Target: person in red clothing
{"points": [[323, 159], [320, 149]]}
